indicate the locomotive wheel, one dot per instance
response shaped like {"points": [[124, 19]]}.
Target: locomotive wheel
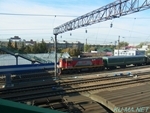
{"points": [[70, 71], [78, 70], [122, 66], [97, 69], [67, 71], [75, 71], [91, 69], [101, 68]]}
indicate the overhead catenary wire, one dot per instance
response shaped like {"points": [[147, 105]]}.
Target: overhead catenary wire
{"points": [[53, 21], [111, 25], [26, 14], [97, 33], [24, 29], [65, 16], [130, 34], [21, 14]]}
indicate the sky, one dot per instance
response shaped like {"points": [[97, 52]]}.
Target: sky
{"points": [[133, 28]]}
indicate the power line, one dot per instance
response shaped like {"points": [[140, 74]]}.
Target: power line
{"points": [[17, 14], [132, 31], [135, 17], [24, 29]]}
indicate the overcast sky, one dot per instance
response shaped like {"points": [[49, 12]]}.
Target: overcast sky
{"points": [[134, 28]]}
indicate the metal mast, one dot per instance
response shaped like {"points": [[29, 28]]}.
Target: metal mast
{"points": [[113, 10]]}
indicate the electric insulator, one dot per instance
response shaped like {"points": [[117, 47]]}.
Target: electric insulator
{"points": [[86, 31], [111, 25]]}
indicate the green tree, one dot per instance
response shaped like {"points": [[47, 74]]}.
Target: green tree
{"points": [[92, 48], [16, 46], [42, 47], [122, 44], [86, 48], [141, 44], [35, 48], [22, 48], [72, 51], [10, 44], [28, 49]]}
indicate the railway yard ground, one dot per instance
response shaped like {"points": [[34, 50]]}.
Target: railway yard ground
{"points": [[113, 91]]}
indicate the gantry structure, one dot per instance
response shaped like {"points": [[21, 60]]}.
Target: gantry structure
{"points": [[113, 10]]}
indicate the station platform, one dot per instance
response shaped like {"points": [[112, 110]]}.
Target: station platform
{"points": [[134, 99]]}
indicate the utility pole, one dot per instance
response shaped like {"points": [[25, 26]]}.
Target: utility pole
{"points": [[118, 44], [65, 43], [86, 41], [55, 56], [115, 44], [86, 46], [124, 43]]}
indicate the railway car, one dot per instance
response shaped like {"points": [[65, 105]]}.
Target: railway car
{"points": [[74, 65], [147, 60], [123, 61]]}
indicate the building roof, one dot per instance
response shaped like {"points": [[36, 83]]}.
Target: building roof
{"points": [[106, 49], [15, 38]]}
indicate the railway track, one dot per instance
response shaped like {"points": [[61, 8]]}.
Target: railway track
{"points": [[27, 77], [132, 67], [45, 75], [49, 92], [63, 83]]}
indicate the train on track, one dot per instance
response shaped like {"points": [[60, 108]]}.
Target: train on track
{"points": [[77, 65]]}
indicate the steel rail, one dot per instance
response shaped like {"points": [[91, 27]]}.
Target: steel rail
{"points": [[60, 84], [64, 84], [48, 93]]}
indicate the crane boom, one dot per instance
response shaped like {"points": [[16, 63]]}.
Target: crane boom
{"points": [[113, 10]]}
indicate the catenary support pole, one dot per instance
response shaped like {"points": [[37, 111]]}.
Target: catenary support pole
{"points": [[16, 60], [55, 56]]}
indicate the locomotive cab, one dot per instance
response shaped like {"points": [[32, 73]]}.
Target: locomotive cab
{"points": [[65, 63]]}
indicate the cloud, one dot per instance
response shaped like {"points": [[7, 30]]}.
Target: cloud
{"points": [[38, 27], [29, 22]]}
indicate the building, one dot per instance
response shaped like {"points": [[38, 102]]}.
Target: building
{"points": [[106, 51], [31, 42], [129, 52], [63, 45], [16, 40]]}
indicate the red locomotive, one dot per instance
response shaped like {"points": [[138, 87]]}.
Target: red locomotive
{"points": [[75, 65]]}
